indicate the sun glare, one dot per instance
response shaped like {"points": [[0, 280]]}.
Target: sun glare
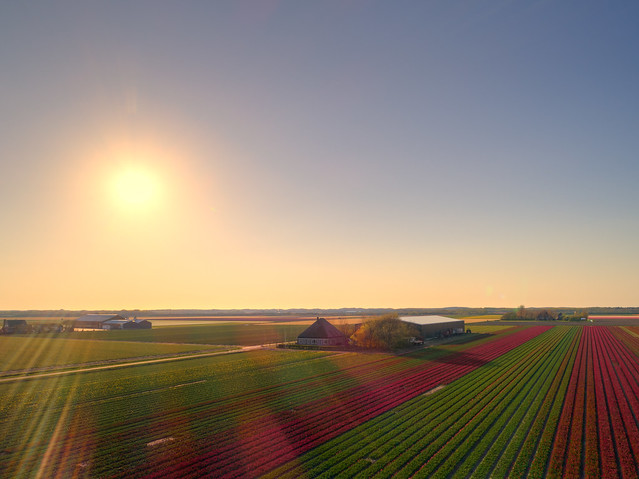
{"points": [[135, 187]]}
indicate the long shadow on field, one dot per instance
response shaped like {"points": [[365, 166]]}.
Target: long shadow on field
{"points": [[436, 351], [460, 359]]}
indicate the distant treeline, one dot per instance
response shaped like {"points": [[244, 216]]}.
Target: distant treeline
{"points": [[450, 311], [545, 314]]}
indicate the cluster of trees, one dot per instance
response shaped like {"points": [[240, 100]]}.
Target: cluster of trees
{"points": [[532, 314], [384, 332]]}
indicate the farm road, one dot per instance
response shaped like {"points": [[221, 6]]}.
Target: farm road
{"points": [[242, 349]]}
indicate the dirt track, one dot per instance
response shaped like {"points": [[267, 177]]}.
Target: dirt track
{"points": [[129, 364]]}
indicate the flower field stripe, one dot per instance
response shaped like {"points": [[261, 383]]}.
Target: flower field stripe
{"points": [[201, 420], [610, 387], [389, 405], [131, 430], [387, 432], [275, 427], [236, 408], [413, 446], [328, 457], [157, 425], [604, 434], [623, 400], [629, 336], [628, 361], [628, 372], [272, 443], [532, 458], [407, 462], [591, 453], [162, 429], [84, 430], [352, 416], [560, 450], [508, 423], [470, 429], [518, 455], [606, 445], [575, 451], [488, 442]]}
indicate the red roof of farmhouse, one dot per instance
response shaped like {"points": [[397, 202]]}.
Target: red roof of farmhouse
{"points": [[321, 329]]}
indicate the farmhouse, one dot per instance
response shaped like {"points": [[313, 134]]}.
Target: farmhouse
{"points": [[434, 326], [322, 333]]}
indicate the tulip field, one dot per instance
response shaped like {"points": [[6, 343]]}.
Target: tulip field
{"points": [[510, 401]]}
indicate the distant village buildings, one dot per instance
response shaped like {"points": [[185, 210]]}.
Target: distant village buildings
{"points": [[322, 333], [109, 322], [88, 321]]}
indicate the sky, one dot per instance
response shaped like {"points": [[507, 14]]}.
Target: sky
{"points": [[290, 154]]}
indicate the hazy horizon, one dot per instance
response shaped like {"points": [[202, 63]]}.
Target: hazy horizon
{"points": [[235, 155]]}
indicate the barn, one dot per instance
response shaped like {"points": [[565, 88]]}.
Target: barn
{"points": [[435, 326], [322, 333], [97, 321], [116, 324], [137, 324]]}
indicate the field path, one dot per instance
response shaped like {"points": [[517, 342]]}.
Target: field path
{"points": [[241, 349]]}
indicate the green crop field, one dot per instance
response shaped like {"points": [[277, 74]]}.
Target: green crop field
{"points": [[524, 401], [21, 352], [244, 334], [487, 329]]}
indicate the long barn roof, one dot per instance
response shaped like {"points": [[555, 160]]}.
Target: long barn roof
{"points": [[424, 320], [97, 318], [321, 329]]}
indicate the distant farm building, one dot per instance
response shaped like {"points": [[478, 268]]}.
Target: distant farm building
{"points": [[10, 326], [322, 333], [137, 324], [109, 322], [115, 324], [435, 326], [95, 321]]}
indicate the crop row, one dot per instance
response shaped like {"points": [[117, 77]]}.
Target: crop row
{"points": [[479, 425], [629, 336], [599, 431], [273, 440]]}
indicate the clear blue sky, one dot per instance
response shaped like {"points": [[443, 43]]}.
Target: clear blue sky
{"points": [[319, 154]]}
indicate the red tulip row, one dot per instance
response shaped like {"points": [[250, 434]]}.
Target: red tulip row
{"points": [[601, 403], [270, 440]]}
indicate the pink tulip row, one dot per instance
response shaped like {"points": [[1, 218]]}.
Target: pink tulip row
{"points": [[271, 439]]}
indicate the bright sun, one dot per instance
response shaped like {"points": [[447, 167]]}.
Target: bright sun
{"points": [[135, 187]]}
